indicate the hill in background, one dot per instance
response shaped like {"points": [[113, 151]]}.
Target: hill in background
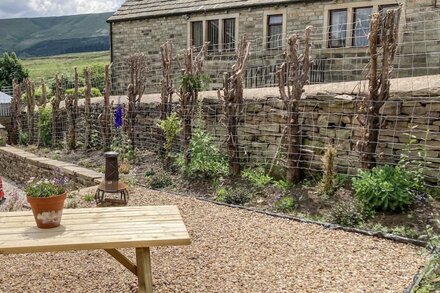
{"points": [[47, 36]]}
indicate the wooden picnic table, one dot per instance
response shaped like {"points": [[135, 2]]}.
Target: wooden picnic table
{"points": [[99, 228]]}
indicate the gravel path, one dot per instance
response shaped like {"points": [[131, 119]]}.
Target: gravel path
{"points": [[232, 251], [12, 192]]}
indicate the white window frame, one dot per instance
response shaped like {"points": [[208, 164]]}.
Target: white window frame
{"points": [[272, 12], [220, 18], [350, 26]]}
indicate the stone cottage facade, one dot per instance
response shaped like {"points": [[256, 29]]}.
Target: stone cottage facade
{"points": [[339, 37]]}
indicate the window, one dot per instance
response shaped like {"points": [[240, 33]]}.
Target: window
{"points": [[361, 26], [213, 37], [275, 31], [353, 17], [338, 28], [219, 31], [229, 34], [197, 34]]}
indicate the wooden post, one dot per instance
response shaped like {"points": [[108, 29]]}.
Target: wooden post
{"points": [[56, 107], [291, 92], [41, 107], [106, 117], [30, 100], [167, 91], [87, 103], [145, 277], [16, 109]]}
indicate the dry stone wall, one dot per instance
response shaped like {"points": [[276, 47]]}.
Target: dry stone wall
{"points": [[21, 166]]}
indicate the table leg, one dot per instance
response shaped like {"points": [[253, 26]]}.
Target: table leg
{"points": [[145, 278]]}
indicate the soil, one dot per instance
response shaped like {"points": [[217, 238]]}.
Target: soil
{"points": [[232, 250], [310, 204]]}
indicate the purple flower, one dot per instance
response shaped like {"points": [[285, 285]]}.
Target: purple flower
{"points": [[118, 116]]}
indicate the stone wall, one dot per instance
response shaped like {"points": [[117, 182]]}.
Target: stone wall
{"points": [[418, 53], [21, 166]]}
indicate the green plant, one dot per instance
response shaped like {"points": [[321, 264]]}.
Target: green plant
{"points": [[234, 195], [45, 126], [404, 231], [194, 83], [349, 213], [257, 177], [387, 188], [95, 139], [122, 145], [431, 280], [286, 204], [82, 90], [23, 138], [206, 159], [159, 180], [327, 184], [342, 180], [45, 188], [89, 198], [283, 185], [171, 128]]}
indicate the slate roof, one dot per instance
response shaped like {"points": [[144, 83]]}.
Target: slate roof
{"points": [[140, 9]]}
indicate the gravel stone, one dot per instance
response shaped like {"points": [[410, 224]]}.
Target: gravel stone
{"points": [[232, 251]]}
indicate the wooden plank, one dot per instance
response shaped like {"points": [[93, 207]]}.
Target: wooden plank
{"points": [[145, 277], [101, 228], [123, 260]]}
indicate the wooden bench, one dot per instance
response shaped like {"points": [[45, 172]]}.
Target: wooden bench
{"points": [[99, 228]]}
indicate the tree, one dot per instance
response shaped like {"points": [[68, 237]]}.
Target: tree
{"points": [[10, 69], [386, 31], [291, 91], [232, 98]]}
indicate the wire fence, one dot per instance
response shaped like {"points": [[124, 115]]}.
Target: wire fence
{"points": [[410, 120]]}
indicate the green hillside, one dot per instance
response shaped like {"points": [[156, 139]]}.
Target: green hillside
{"points": [[48, 67], [47, 36]]}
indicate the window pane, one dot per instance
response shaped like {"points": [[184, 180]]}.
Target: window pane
{"points": [[275, 31], [213, 35], [197, 33], [338, 27], [275, 19], [229, 34], [361, 26], [384, 8]]}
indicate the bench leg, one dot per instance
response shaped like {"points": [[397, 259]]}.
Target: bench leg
{"points": [[145, 278]]}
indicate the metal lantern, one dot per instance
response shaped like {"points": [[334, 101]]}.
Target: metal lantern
{"points": [[111, 183]]}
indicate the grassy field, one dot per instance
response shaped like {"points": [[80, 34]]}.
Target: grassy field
{"points": [[48, 67]]}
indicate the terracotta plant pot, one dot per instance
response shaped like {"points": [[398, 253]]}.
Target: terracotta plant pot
{"points": [[47, 210]]}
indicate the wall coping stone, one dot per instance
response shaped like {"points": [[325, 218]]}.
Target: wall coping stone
{"points": [[62, 167]]}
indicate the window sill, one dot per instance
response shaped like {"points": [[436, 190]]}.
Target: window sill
{"points": [[345, 50]]}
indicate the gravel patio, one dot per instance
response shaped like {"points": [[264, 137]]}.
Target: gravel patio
{"points": [[232, 251]]}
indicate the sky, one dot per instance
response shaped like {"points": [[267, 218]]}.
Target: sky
{"points": [[42, 8]]}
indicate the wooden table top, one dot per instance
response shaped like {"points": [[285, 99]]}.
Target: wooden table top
{"points": [[97, 228]]}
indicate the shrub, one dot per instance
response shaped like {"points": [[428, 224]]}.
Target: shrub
{"points": [[82, 92], [45, 126], [171, 128], [159, 180], [206, 159], [385, 188], [349, 213], [23, 138], [286, 204], [257, 177], [234, 195]]}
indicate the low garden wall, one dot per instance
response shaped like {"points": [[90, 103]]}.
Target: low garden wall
{"points": [[328, 115], [21, 166]]}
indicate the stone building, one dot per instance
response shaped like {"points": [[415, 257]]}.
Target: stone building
{"points": [[339, 37]]}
